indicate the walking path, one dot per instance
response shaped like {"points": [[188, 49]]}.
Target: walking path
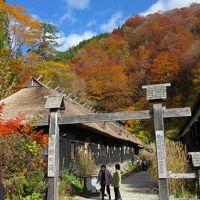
{"points": [[135, 187]]}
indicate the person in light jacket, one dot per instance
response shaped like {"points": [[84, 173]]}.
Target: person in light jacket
{"points": [[105, 179], [116, 182]]}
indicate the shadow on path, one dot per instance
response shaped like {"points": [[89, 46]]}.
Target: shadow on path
{"points": [[135, 187], [139, 182]]}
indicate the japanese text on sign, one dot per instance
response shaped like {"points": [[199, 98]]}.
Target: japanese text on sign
{"points": [[51, 156]]}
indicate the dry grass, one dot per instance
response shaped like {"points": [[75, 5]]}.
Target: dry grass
{"points": [[65, 189], [85, 162], [177, 161]]}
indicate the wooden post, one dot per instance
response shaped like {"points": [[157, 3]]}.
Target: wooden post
{"points": [[161, 151], [53, 156], [195, 156], [156, 94], [54, 103]]}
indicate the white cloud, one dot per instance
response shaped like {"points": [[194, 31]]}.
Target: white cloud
{"points": [[91, 23], [163, 5], [36, 17], [78, 4], [67, 17], [113, 22], [74, 39]]}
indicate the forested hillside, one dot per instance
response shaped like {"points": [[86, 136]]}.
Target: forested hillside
{"points": [[108, 70]]}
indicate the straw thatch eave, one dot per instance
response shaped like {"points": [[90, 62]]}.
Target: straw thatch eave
{"points": [[30, 101]]}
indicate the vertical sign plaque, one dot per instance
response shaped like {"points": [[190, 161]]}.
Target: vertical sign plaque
{"points": [[51, 156], [161, 154]]}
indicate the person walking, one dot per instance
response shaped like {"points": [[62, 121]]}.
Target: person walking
{"points": [[105, 179], [116, 182]]}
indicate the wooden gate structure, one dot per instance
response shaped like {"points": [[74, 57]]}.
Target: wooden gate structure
{"points": [[156, 94]]}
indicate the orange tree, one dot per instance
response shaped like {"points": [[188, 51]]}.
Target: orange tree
{"points": [[21, 159], [108, 87]]}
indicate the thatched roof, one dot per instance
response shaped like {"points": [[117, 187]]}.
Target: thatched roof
{"points": [[29, 100]]}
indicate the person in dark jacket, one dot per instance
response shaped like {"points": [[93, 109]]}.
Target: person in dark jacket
{"points": [[105, 179], [116, 182]]}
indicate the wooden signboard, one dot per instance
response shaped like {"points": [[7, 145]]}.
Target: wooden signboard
{"points": [[195, 158], [51, 156], [158, 91], [161, 157]]}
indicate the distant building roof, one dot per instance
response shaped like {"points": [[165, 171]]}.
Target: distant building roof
{"points": [[29, 100]]}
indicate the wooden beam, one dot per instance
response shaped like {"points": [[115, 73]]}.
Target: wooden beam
{"points": [[39, 77], [48, 83], [41, 122], [105, 117], [118, 116], [68, 95], [176, 112], [182, 175], [56, 88]]}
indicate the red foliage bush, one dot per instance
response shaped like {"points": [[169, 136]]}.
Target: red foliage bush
{"points": [[14, 126]]}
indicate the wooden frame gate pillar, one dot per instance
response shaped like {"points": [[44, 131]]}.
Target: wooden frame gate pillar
{"points": [[161, 151], [155, 93], [55, 104]]}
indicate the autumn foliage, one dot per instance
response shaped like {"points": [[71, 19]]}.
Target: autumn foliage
{"points": [[21, 158], [110, 69], [157, 48], [16, 126]]}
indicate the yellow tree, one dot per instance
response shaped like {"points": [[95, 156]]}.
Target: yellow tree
{"points": [[23, 29], [62, 75], [11, 70]]}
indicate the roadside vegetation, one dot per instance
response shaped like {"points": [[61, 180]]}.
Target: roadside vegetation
{"points": [[177, 162], [22, 165]]}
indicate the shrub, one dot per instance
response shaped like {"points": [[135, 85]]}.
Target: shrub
{"points": [[65, 188], [34, 196], [85, 162], [35, 183], [177, 161], [21, 159], [133, 167], [69, 185], [75, 181]]}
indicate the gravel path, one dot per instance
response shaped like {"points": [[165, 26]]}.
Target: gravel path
{"points": [[135, 187]]}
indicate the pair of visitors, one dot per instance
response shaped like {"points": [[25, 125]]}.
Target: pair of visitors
{"points": [[105, 179]]}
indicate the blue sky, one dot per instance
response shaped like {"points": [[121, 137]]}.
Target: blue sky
{"points": [[81, 19]]}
